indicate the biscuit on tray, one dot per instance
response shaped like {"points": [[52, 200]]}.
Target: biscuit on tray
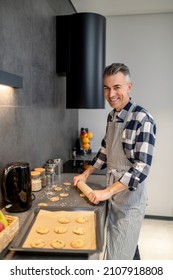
{"points": [[60, 229], [58, 244], [38, 243], [77, 243]]}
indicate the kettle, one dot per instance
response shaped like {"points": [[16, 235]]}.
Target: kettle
{"points": [[16, 187]]}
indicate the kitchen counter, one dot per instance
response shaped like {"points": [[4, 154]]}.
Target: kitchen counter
{"points": [[73, 200]]}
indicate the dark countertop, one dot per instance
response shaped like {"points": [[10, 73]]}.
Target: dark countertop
{"points": [[73, 200], [75, 165]]}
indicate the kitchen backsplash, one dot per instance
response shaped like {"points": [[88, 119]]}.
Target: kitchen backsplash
{"points": [[34, 123]]}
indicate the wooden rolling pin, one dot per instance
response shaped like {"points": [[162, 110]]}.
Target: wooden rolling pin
{"points": [[84, 188]]}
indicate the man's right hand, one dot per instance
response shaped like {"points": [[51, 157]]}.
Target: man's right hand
{"points": [[83, 177], [78, 178]]}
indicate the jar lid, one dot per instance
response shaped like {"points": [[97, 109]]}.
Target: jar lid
{"points": [[40, 169], [35, 173]]}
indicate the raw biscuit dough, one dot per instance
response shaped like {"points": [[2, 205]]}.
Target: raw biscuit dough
{"points": [[67, 184], [78, 243], [42, 204], [60, 229], [82, 220], [79, 231], [63, 194], [58, 244], [38, 244], [57, 188], [64, 220], [54, 198], [42, 230]]}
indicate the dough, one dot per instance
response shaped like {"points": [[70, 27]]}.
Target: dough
{"points": [[58, 244], [67, 184], [64, 194], [57, 188], [64, 220], [60, 229], [38, 244], [79, 230], [82, 220], [82, 195], [78, 243], [42, 204], [42, 230], [54, 198]]}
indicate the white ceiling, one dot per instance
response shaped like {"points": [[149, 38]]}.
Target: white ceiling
{"points": [[123, 7]]}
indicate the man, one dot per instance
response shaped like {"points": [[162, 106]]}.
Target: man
{"points": [[127, 149]]}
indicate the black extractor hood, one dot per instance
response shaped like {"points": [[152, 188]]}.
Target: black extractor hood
{"points": [[80, 47]]}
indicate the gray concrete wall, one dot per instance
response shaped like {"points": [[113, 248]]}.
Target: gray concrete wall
{"points": [[34, 123]]}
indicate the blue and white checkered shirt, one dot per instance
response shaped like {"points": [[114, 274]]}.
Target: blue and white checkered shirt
{"points": [[138, 140]]}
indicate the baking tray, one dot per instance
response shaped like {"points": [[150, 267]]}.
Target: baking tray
{"points": [[17, 243]]}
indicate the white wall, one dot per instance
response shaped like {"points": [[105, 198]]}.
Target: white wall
{"points": [[145, 44]]}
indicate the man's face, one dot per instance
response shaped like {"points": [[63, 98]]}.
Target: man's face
{"points": [[116, 90]]}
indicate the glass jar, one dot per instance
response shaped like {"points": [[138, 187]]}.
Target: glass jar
{"points": [[42, 175], [36, 181]]}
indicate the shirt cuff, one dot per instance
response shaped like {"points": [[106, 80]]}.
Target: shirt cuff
{"points": [[131, 182]]}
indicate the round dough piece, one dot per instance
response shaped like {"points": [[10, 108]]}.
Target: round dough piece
{"points": [[64, 220], [38, 243], [60, 230], [58, 244], [67, 184], [42, 230], [42, 204], [77, 243], [57, 188], [82, 195], [79, 230], [82, 220], [54, 198], [63, 194]]}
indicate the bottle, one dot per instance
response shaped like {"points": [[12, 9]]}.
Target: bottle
{"points": [[36, 181]]}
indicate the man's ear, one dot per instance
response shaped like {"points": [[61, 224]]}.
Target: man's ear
{"points": [[130, 85]]}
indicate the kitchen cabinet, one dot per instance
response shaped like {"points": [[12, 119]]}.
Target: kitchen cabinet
{"points": [[73, 200]]}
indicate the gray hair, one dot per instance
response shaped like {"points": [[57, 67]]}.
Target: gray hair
{"points": [[114, 68]]}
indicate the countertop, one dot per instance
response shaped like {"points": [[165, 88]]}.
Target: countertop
{"points": [[73, 200], [75, 165]]}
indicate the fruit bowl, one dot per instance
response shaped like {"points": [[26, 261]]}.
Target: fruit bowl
{"points": [[7, 235]]}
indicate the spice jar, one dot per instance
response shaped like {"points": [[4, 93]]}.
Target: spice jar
{"points": [[36, 181], [42, 175]]}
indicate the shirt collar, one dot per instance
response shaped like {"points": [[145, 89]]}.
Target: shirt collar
{"points": [[123, 113]]}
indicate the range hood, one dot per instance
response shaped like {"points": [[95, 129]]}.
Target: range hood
{"points": [[80, 56]]}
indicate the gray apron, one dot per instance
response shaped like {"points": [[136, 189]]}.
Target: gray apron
{"points": [[126, 209]]}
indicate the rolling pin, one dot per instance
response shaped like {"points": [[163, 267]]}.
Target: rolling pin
{"points": [[84, 188]]}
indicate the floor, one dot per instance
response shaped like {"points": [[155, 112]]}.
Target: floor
{"points": [[156, 240]]}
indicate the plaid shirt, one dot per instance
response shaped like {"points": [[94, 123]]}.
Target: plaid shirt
{"points": [[138, 140]]}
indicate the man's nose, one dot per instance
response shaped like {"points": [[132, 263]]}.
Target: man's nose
{"points": [[111, 92]]}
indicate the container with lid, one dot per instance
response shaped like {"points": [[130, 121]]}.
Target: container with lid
{"points": [[36, 181], [42, 175]]}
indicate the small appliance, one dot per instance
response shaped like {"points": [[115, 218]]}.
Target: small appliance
{"points": [[16, 187]]}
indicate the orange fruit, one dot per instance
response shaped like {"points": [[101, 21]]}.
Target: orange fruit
{"points": [[85, 140], [86, 146], [83, 134], [90, 135]]}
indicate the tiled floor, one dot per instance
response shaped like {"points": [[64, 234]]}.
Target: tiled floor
{"points": [[156, 240]]}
